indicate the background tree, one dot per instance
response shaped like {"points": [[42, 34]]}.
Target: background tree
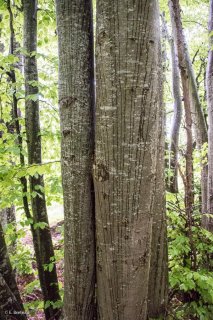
{"points": [[76, 98], [172, 167], [188, 179], [7, 215], [209, 86], [42, 236], [199, 123]]}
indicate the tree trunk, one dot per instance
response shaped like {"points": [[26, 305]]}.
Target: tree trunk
{"points": [[23, 180], [158, 275], [189, 194], [43, 246], [172, 180], [127, 129], [76, 98], [197, 112], [7, 215], [173, 184], [208, 221], [10, 300]]}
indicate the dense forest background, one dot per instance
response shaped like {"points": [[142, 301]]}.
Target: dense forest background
{"points": [[175, 129]]}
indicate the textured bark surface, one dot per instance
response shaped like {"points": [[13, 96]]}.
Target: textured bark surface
{"points": [[76, 98], [197, 112], [127, 129], [10, 300], [42, 238], [208, 221], [173, 183], [158, 274], [7, 215], [184, 71]]}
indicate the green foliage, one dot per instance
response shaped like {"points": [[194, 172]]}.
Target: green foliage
{"points": [[56, 304], [192, 288], [30, 287], [22, 259], [40, 225], [49, 267], [33, 306]]}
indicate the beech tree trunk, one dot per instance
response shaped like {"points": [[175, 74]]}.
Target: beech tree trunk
{"points": [[208, 220], [42, 237], [10, 300], [76, 98], [127, 130], [197, 112]]}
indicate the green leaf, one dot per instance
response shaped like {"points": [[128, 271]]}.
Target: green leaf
{"points": [[40, 225]]}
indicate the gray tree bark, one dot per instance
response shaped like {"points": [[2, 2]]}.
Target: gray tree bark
{"points": [[76, 98], [7, 216], [172, 180], [127, 132], [173, 184], [208, 221], [42, 237], [199, 123], [10, 300], [158, 275]]}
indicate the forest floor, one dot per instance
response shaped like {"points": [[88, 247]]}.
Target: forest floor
{"points": [[32, 298], [29, 285]]}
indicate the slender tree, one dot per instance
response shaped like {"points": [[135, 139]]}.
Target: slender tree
{"points": [[76, 98], [176, 120], [127, 131], [42, 237], [172, 183], [197, 112], [208, 222], [10, 300], [184, 72], [7, 215]]}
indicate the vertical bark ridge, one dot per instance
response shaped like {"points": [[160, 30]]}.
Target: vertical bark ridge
{"points": [[158, 275]]}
